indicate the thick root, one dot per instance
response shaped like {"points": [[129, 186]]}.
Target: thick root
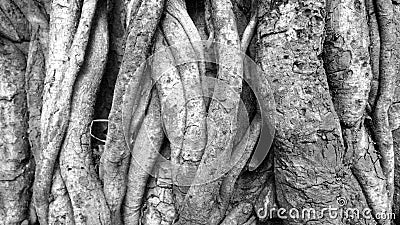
{"points": [[58, 92], [16, 168], [115, 159], [374, 48], [346, 59], [201, 204], [186, 56], [144, 155], [171, 93], [240, 156], [387, 78], [76, 163], [60, 208]]}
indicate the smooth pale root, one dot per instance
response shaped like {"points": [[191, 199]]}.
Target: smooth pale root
{"points": [[186, 57], [58, 93], [144, 155], [374, 47], [77, 169], [171, 94], [135, 102], [115, 159], [240, 156], [177, 9], [347, 59], [387, 78], [200, 205], [250, 29], [16, 169]]}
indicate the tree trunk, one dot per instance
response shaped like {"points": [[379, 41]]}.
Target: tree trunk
{"points": [[199, 112]]}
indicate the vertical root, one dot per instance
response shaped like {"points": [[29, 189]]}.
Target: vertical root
{"points": [[76, 163], [374, 48], [387, 78], [349, 77], [346, 60], [367, 170], [201, 204], [182, 35], [159, 206], [240, 157], [57, 96], [144, 155], [34, 81], [60, 208], [171, 93], [15, 165], [115, 159]]}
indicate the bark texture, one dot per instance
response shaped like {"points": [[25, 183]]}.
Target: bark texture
{"points": [[199, 112]]}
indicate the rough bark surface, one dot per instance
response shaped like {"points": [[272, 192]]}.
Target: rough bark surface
{"points": [[114, 161], [125, 122], [15, 164], [309, 168]]}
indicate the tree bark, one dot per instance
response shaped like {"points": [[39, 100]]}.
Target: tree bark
{"points": [[199, 112]]}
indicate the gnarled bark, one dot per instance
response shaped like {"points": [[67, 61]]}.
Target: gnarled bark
{"points": [[114, 160], [15, 164]]}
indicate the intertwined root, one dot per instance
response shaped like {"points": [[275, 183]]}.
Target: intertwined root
{"points": [[349, 74], [61, 77], [145, 152], [115, 159], [324, 142], [184, 39]]}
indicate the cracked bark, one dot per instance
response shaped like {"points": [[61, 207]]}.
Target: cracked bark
{"points": [[201, 204], [57, 95], [77, 169], [325, 143], [349, 74], [309, 169], [15, 160]]}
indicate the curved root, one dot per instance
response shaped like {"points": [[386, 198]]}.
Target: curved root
{"points": [[76, 163], [57, 97], [200, 205], [186, 56], [115, 159], [144, 155], [387, 78]]}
